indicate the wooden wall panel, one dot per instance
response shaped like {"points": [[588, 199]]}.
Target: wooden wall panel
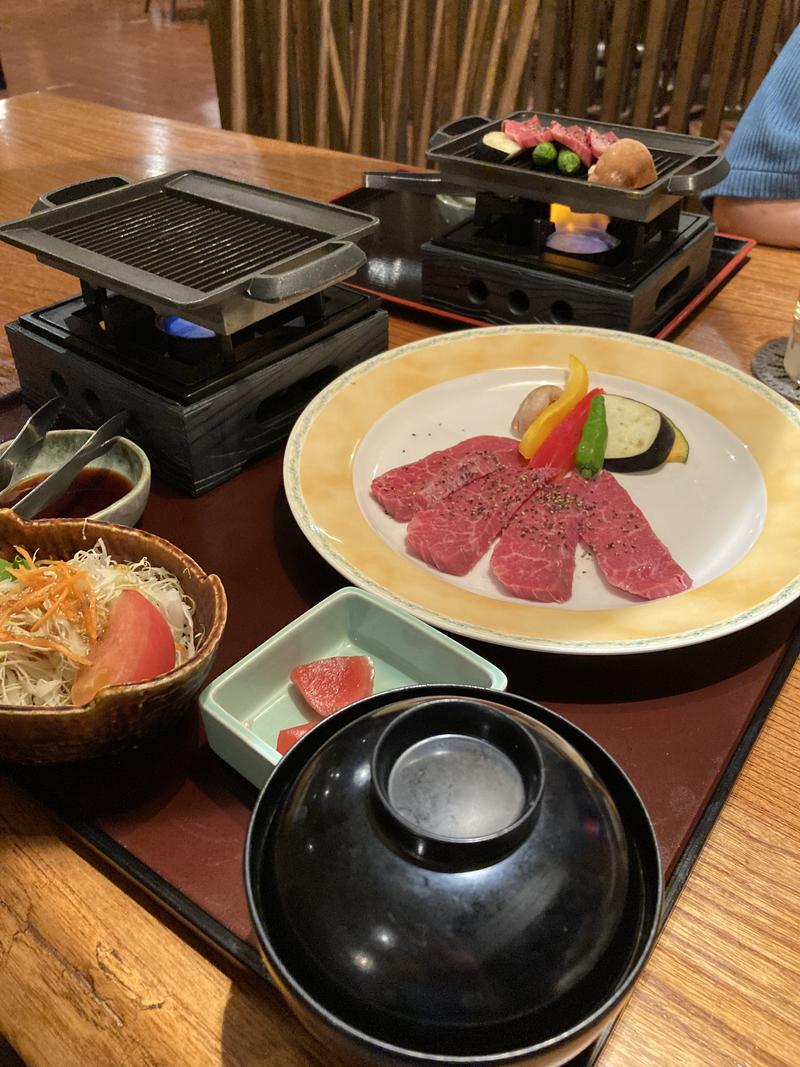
{"points": [[379, 76]]}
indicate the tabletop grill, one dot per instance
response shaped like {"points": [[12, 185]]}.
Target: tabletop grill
{"points": [[209, 309], [501, 261]]}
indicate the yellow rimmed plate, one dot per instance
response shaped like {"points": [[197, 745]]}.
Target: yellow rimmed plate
{"points": [[729, 515]]}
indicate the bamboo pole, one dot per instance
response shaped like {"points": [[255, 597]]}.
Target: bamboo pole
{"points": [[494, 57], [238, 84], [359, 80], [321, 127], [519, 54], [282, 73], [424, 131]]}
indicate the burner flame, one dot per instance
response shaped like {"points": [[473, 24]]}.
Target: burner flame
{"points": [[178, 327], [567, 221], [581, 233]]}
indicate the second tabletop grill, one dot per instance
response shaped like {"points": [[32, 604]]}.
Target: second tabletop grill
{"points": [[502, 264], [209, 309]]}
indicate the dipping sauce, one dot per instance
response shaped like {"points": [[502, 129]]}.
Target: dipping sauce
{"points": [[92, 489]]}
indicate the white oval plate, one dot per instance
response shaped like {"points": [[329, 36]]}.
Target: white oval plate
{"points": [[728, 515], [720, 479]]}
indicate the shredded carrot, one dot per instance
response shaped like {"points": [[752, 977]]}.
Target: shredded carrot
{"points": [[25, 555], [46, 643], [55, 605], [20, 604], [86, 591], [58, 588]]}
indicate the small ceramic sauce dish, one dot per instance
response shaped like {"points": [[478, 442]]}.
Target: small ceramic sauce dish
{"points": [[115, 486]]}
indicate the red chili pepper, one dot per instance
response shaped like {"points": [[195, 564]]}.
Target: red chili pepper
{"points": [[558, 449]]}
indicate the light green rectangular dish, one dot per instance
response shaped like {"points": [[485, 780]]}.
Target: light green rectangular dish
{"points": [[245, 708]]}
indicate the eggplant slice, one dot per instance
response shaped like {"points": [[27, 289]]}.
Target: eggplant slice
{"points": [[639, 437], [497, 147]]}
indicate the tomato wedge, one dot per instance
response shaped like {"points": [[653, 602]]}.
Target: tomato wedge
{"points": [[287, 737], [330, 684], [137, 645]]}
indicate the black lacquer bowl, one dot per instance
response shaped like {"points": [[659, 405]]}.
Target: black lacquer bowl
{"points": [[445, 874]]}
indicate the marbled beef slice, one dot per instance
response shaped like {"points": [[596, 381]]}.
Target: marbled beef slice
{"points": [[599, 142], [535, 556], [403, 491], [454, 535], [526, 134], [572, 141], [628, 552]]}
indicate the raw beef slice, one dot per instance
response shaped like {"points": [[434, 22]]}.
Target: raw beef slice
{"points": [[403, 491], [526, 134], [628, 552], [574, 138], [454, 535], [535, 557], [599, 142]]}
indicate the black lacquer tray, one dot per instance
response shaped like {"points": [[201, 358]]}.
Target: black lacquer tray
{"points": [[407, 219]]}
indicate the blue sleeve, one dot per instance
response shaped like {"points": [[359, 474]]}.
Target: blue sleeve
{"points": [[764, 151]]}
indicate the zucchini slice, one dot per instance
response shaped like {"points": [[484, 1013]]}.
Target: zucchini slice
{"points": [[639, 437], [679, 452], [497, 147]]}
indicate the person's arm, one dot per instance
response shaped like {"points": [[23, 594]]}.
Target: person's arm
{"points": [[770, 222], [760, 197]]}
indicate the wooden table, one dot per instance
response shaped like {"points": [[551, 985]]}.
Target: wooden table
{"points": [[92, 972]]}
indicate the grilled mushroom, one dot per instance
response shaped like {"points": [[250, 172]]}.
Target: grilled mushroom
{"points": [[626, 164]]}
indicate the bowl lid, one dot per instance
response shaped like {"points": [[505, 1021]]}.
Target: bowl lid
{"points": [[434, 868]]}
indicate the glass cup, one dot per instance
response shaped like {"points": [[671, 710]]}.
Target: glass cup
{"points": [[791, 357]]}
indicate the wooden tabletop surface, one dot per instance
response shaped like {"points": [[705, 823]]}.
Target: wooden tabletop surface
{"points": [[93, 972]]}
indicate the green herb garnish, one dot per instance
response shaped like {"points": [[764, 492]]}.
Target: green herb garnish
{"points": [[8, 567]]}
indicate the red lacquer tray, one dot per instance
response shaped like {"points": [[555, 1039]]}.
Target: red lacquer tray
{"points": [[173, 817]]}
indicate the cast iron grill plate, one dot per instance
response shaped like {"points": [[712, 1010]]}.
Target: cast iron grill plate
{"points": [[202, 246], [189, 240], [685, 165], [665, 162]]}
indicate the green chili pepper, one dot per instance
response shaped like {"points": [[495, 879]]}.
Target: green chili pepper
{"points": [[591, 448]]}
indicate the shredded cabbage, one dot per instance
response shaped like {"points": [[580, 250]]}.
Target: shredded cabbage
{"points": [[43, 677]]}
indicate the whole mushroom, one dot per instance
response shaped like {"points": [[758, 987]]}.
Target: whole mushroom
{"points": [[532, 406], [625, 164]]}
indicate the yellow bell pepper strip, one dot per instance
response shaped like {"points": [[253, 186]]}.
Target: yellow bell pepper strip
{"points": [[542, 426]]}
